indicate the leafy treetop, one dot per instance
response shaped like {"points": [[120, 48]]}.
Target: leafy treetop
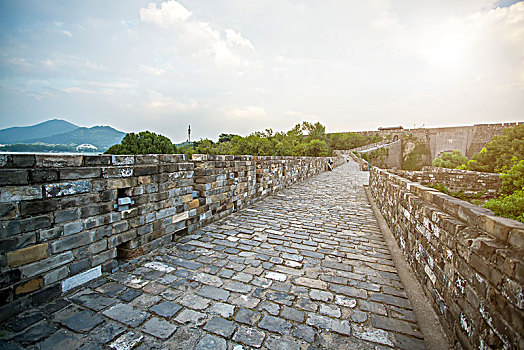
{"points": [[145, 142]]}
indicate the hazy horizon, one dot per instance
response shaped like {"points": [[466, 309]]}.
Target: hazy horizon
{"points": [[244, 66]]}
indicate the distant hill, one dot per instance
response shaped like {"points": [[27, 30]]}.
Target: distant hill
{"points": [[61, 132], [19, 134], [100, 136]]}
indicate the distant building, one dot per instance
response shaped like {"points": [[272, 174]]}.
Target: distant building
{"points": [[391, 128], [86, 147]]}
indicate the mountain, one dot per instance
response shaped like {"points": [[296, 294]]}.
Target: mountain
{"points": [[61, 132], [100, 136], [19, 134]]}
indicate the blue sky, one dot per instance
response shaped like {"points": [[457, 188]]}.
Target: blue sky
{"points": [[240, 66]]}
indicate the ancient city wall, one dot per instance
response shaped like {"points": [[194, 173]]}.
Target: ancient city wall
{"points": [[66, 219], [486, 185], [469, 261], [468, 139]]}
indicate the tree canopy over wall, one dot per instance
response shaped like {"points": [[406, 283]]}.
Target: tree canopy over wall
{"points": [[305, 139], [145, 142]]}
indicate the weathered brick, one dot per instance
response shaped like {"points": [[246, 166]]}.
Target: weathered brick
{"points": [[36, 223], [27, 255], [79, 173], [67, 188], [29, 286], [43, 175], [17, 242], [67, 215], [71, 242], [45, 265], [121, 183], [23, 160], [58, 161], [20, 193], [56, 275], [8, 211], [13, 177], [73, 227], [38, 207]]}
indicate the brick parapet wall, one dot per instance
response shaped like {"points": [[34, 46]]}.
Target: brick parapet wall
{"points": [[58, 224], [469, 261], [229, 183], [59, 227], [471, 182]]}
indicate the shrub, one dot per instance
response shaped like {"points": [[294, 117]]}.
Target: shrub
{"points": [[450, 160], [513, 179], [510, 206]]}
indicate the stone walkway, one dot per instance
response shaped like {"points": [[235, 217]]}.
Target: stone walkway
{"points": [[306, 268]]}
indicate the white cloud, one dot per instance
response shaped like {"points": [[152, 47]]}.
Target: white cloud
{"points": [[247, 112], [195, 38], [164, 104], [236, 39], [152, 70]]}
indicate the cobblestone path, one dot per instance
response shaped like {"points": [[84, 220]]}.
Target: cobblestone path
{"points": [[306, 268]]}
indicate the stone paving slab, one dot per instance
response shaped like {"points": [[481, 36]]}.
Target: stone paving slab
{"points": [[306, 268]]}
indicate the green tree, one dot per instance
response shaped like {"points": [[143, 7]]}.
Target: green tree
{"points": [[145, 142], [225, 137], [450, 160], [317, 148], [499, 152], [315, 131], [513, 179]]}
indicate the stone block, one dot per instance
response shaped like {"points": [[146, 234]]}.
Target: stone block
{"points": [[45, 265], [23, 160], [71, 242], [67, 188], [122, 160], [56, 275], [159, 328], [36, 223], [97, 160], [27, 255], [43, 175], [8, 211], [20, 193], [103, 257], [79, 266], [67, 215], [81, 278], [13, 177], [58, 161], [146, 170], [500, 227], [79, 173], [10, 277], [516, 238], [117, 172], [29, 286], [73, 227], [121, 183], [17, 242], [33, 208], [193, 204]]}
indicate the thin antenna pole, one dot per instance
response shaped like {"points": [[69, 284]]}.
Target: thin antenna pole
{"points": [[189, 134]]}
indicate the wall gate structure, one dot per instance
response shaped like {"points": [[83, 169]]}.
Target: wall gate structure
{"points": [[66, 219]]}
